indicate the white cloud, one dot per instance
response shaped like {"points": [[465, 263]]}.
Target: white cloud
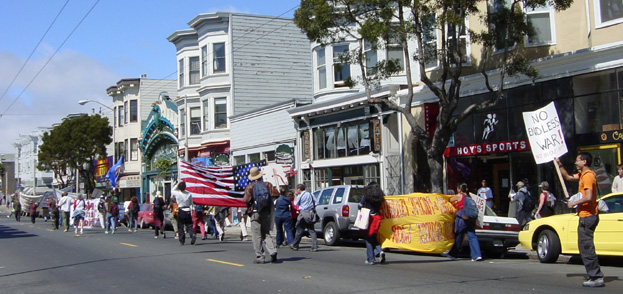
{"points": [[69, 77]]}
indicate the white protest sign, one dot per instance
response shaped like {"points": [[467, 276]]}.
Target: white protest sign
{"points": [[274, 174], [545, 133]]}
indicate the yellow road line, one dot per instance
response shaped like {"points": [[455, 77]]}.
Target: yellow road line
{"points": [[50, 230], [224, 262], [131, 245]]}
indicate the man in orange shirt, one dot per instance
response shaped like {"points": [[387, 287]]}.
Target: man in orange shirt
{"points": [[588, 213]]}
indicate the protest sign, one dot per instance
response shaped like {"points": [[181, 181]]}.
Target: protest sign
{"points": [[545, 133]]}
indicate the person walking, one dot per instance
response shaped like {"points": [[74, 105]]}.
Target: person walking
{"points": [[32, 210], [132, 213], [588, 213], [544, 209], [184, 201], [17, 209], [283, 218], [101, 209], [65, 206], [173, 216], [159, 216], [220, 215], [112, 212], [373, 198], [54, 212], [524, 202], [307, 213], [468, 230], [258, 196], [79, 213], [486, 193], [198, 216]]}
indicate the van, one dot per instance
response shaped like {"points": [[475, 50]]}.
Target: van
{"points": [[337, 208]]}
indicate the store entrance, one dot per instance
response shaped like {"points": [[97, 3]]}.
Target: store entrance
{"points": [[501, 186]]}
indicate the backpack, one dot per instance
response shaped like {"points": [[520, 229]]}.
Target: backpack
{"points": [[261, 198], [528, 204], [551, 200], [134, 208], [470, 209]]}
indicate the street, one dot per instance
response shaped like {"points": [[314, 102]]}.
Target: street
{"points": [[37, 259]]}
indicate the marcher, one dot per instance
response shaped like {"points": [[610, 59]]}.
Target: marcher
{"points": [[469, 229], [79, 213], [132, 213], [283, 218], [32, 210], [184, 201], [261, 210], [486, 193], [17, 209], [101, 209], [173, 216], [588, 213], [54, 212], [243, 222], [524, 206], [220, 215], [198, 216], [544, 209], [307, 214], [373, 198], [159, 216], [65, 207], [617, 182]]}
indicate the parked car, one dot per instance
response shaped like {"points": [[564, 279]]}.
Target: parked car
{"points": [[337, 209], [498, 233], [558, 234], [146, 216]]}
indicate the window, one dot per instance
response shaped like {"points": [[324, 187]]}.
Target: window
{"points": [[133, 111], [204, 61], [133, 149], [239, 159], [220, 113], [255, 157], [181, 73], [608, 12], [125, 112], [120, 115], [126, 150], [370, 53], [321, 68], [501, 12], [206, 115], [219, 57], [182, 123], [325, 197], [429, 42], [395, 53], [329, 142], [462, 36], [269, 155], [193, 74], [341, 71], [115, 118], [195, 120], [541, 19]]}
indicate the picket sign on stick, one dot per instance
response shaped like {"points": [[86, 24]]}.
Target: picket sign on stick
{"points": [[546, 137]]}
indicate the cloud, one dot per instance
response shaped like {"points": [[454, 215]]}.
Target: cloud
{"points": [[69, 77]]}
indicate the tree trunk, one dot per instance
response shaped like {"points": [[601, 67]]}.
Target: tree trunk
{"points": [[435, 164]]}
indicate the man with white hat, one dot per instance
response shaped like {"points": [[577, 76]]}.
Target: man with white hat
{"points": [[262, 213]]}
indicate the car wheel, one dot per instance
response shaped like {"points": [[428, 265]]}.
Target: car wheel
{"points": [[548, 246], [331, 234]]}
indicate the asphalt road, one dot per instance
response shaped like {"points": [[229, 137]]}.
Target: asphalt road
{"points": [[36, 259]]}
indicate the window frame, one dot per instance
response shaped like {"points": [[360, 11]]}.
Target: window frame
{"points": [[194, 76], [195, 121], [206, 114], [121, 117], [492, 6], [395, 47], [598, 21], [465, 37], [217, 113], [125, 113], [368, 48], [133, 110], [204, 61], [321, 82], [336, 62], [552, 26], [134, 149], [180, 70], [216, 58]]}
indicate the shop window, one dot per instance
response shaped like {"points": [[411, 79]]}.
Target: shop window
{"points": [[608, 12], [329, 142], [594, 83], [341, 142], [594, 113], [321, 176], [319, 143]]}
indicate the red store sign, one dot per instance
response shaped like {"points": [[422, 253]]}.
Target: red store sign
{"points": [[487, 148]]}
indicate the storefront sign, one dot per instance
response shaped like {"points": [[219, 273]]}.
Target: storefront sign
{"points": [[420, 222], [284, 155], [545, 133], [487, 148], [377, 134], [611, 137], [306, 145], [129, 182]]}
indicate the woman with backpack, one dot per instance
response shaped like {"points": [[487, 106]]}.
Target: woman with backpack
{"points": [[133, 210], [464, 205], [546, 202], [159, 216]]}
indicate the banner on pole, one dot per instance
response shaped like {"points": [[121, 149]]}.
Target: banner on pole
{"points": [[545, 133]]}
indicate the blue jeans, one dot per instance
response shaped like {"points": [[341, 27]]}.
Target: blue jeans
{"points": [[111, 222], [284, 223], [373, 247], [474, 247], [132, 221]]}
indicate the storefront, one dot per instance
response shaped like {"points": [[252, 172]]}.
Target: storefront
{"points": [[493, 145]]}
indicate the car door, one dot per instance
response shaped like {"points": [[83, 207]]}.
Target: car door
{"points": [[609, 231], [322, 205]]}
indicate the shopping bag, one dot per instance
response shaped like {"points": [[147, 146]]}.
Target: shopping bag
{"points": [[363, 219]]}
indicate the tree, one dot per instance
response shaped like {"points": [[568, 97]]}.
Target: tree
{"points": [[75, 144], [377, 22], [162, 165]]}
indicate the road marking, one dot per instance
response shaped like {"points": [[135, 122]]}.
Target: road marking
{"points": [[49, 230], [224, 262], [131, 245]]}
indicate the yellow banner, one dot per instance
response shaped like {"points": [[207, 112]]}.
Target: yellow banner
{"points": [[421, 222]]}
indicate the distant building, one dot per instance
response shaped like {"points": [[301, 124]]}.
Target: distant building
{"points": [[26, 161], [9, 183]]}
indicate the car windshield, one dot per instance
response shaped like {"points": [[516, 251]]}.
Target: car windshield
{"points": [[489, 211]]}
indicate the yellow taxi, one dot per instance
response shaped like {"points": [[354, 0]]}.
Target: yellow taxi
{"points": [[558, 234]]}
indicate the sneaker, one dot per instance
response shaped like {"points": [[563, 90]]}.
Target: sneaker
{"points": [[81, 232], [477, 259], [382, 254], [65, 230], [599, 282], [273, 258], [314, 249], [176, 238], [446, 254], [155, 237], [294, 248], [104, 232], [370, 262], [76, 231], [193, 239], [258, 261], [164, 236], [129, 230]]}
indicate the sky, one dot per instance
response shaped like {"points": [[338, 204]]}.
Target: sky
{"points": [[54, 53]]}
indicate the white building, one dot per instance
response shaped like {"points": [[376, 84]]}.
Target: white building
{"points": [[26, 161]]}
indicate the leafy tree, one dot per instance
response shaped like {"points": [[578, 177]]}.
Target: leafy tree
{"points": [[75, 144], [377, 22], [162, 165], [2, 170]]}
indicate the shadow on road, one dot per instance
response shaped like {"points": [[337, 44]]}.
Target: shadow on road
{"points": [[8, 232]]}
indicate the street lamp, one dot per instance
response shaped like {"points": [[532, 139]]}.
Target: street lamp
{"points": [[83, 102]]}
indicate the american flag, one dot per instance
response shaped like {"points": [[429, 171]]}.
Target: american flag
{"points": [[241, 174], [213, 186]]}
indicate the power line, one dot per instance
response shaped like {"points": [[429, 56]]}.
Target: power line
{"points": [[33, 51], [49, 59]]}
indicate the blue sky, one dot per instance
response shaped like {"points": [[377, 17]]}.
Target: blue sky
{"points": [[117, 39]]}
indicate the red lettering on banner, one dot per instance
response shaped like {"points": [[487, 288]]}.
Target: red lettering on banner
{"points": [[486, 148]]}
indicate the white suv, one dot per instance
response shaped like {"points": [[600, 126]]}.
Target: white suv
{"points": [[337, 208]]}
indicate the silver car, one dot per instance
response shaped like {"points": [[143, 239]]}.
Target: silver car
{"points": [[337, 208]]}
